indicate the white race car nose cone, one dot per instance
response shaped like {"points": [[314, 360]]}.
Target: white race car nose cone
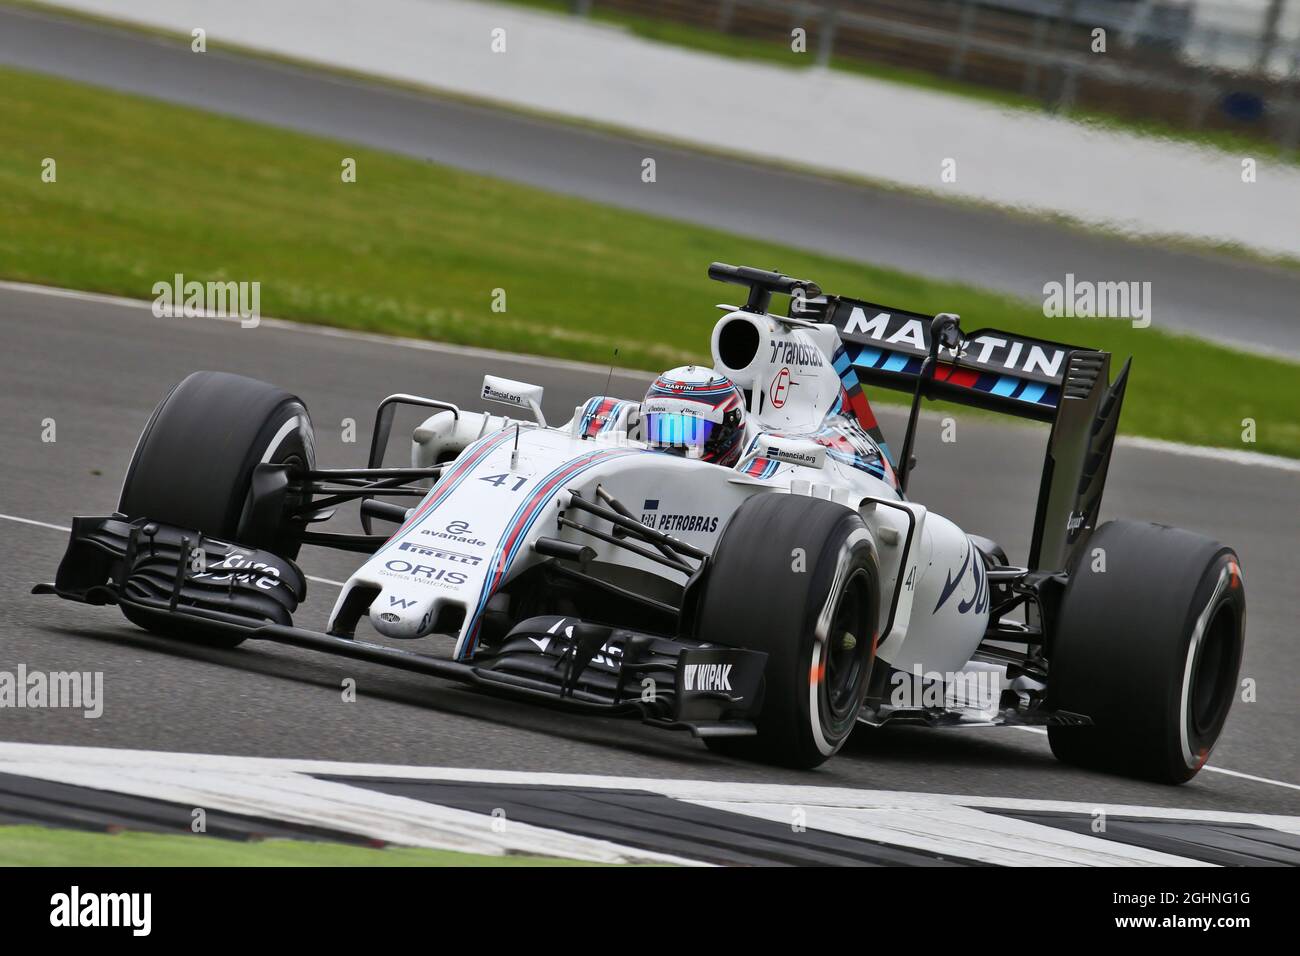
{"points": [[402, 616]]}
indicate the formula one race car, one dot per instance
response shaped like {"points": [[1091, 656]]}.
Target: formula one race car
{"points": [[735, 555]]}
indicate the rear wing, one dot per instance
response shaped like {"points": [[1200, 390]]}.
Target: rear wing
{"points": [[1000, 371], [1064, 385]]}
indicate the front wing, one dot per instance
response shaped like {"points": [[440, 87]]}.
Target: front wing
{"points": [[183, 577]]}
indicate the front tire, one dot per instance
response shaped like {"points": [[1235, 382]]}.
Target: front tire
{"points": [[193, 469], [1149, 649], [797, 578]]}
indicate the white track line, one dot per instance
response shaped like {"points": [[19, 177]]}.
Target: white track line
{"points": [[1235, 456], [1036, 730], [1223, 770], [466, 351], [39, 524], [1251, 776]]}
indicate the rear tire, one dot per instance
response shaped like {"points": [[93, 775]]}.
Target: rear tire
{"points": [[796, 578], [1150, 650], [193, 469]]}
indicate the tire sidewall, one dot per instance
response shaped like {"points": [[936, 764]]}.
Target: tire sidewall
{"points": [[193, 468], [837, 566], [1220, 590], [194, 462], [774, 585], [1127, 643], [286, 437]]}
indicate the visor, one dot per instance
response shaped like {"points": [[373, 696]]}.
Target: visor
{"points": [[676, 430]]}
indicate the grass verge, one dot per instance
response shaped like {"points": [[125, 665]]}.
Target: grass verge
{"points": [[145, 190], [40, 846]]}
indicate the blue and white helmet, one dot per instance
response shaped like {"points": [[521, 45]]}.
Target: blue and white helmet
{"points": [[695, 412]]}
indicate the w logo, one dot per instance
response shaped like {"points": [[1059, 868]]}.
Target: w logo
{"points": [[403, 603]]}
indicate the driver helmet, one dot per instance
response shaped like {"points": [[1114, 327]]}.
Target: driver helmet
{"points": [[695, 412]]}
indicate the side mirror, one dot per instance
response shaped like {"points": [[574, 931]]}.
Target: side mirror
{"points": [[945, 330], [519, 394]]}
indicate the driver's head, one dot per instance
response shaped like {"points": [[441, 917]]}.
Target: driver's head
{"points": [[695, 412]]}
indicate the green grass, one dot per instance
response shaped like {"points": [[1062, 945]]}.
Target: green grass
{"points": [[39, 846], [777, 51], [146, 190]]}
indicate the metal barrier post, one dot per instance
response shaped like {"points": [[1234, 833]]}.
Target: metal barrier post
{"points": [[1268, 36], [1202, 96], [1061, 97], [964, 27], [826, 39], [1032, 62], [1290, 138], [1069, 88], [726, 11]]}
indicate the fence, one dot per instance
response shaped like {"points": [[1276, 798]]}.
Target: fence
{"points": [[1202, 66]]}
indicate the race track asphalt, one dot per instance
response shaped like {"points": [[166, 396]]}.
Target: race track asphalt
{"points": [[97, 369], [1241, 302]]}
